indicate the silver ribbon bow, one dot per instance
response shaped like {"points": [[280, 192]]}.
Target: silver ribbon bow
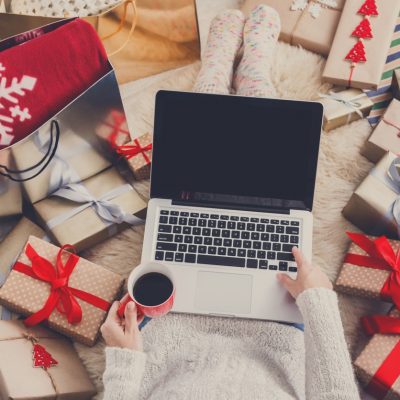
{"points": [[353, 104], [393, 175], [109, 212]]}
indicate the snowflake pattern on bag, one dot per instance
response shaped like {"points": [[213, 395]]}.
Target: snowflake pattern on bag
{"points": [[11, 92], [315, 7]]}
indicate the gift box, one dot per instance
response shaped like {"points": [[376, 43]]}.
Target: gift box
{"points": [[369, 268], [362, 40], [396, 84], [75, 160], [377, 366], [6, 225], [138, 154], [51, 284], [11, 248], [86, 213], [10, 192], [341, 108], [38, 364], [311, 26], [114, 130], [373, 206], [386, 136]]}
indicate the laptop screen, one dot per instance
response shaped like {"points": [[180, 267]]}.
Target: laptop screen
{"points": [[230, 149]]}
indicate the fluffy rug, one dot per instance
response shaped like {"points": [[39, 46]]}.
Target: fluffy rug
{"points": [[296, 75]]}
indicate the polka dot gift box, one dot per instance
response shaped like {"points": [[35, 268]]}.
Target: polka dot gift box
{"points": [[371, 268], [377, 367], [50, 284]]}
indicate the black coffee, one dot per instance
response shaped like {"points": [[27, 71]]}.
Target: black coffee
{"points": [[152, 289]]}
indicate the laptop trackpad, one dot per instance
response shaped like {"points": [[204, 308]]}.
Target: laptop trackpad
{"points": [[223, 293]]}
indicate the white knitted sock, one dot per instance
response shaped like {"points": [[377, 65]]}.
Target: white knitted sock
{"points": [[224, 41], [261, 33]]}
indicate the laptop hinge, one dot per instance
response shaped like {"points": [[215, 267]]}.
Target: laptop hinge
{"points": [[239, 207]]}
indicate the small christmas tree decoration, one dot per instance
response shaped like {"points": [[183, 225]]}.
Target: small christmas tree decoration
{"points": [[42, 358], [368, 8], [363, 30], [357, 53]]}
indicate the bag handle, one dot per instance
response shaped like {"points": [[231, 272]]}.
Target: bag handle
{"points": [[43, 163], [127, 3]]}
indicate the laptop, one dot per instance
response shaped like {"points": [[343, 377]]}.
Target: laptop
{"points": [[232, 187]]}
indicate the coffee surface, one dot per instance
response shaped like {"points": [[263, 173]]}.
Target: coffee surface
{"points": [[152, 289]]}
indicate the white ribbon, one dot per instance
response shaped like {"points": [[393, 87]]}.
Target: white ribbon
{"points": [[109, 212], [61, 173], [351, 103]]}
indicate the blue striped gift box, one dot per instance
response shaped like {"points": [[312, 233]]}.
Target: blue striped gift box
{"points": [[383, 96]]}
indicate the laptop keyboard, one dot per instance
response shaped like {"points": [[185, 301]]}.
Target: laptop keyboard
{"points": [[227, 240]]}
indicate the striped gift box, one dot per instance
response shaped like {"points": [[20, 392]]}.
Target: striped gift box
{"points": [[383, 96]]}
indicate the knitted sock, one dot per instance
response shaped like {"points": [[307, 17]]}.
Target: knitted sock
{"points": [[224, 41], [261, 33]]}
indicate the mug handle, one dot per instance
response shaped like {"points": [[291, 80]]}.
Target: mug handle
{"points": [[121, 309]]}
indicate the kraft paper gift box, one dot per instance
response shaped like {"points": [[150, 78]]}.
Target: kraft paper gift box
{"points": [[75, 160], [21, 380], [87, 286], [386, 136], [365, 75], [396, 84], [377, 365], [11, 248], [373, 206], [6, 225], [138, 154], [10, 192], [364, 272], [114, 130], [105, 204], [341, 108], [300, 27]]}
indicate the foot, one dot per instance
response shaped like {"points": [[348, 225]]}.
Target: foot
{"points": [[224, 41], [261, 32]]}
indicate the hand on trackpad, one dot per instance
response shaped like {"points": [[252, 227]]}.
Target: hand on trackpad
{"points": [[223, 293]]}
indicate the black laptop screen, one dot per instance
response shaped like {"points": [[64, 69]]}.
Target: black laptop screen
{"points": [[231, 149]]}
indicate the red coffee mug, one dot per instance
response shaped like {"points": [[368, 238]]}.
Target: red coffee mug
{"points": [[143, 310]]}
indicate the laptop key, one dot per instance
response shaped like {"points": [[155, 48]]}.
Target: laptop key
{"points": [[173, 220], [184, 214], [227, 242], [212, 223], [260, 228], [244, 219], [247, 244], [295, 223], [196, 231], [222, 251], [241, 253], [165, 228], [223, 261], [202, 222], [221, 224], [251, 253], [212, 250], [178, 257], [255, 236], [237, 243], [216, 232], [205, 215], [274, 238], [275, 221], [276, 247], [280, 229], [188, 239], [265, 237], [164, 212], [265, 220], [287, 248], [159, 256], [234, 218], [194, 215], [169, 256], [266, 246], [182, 248], [251, 263], [202, 249], [284, 238], [271, 255], [245, 235], [217, 242], [165, 237], [285, 257], [225, 217], [167, 246], [206, 232], [175, 213], [183, 221], [273, 267], [190, 258], [292, 230], [257, 245], [241, 226], [192, 221], [263, 264], [261, 254], [292, 269], [232, 252], [251, 227], [192, 248], [285, 222], [178, 239], [208, 241], [198, 240], [231, 225], [187, 230], [163, 219], [294, 239], [235, 234], [177, 229], [226, 233], [270, 228], [283, 266], [214, 216]]}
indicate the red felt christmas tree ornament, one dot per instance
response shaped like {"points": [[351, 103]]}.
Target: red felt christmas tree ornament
{"points": [[42, 358], [363, 30], [368, 8], [357, 53]]}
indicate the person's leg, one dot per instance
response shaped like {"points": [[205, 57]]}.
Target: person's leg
{"points": [[261, 33], [224, 41]]}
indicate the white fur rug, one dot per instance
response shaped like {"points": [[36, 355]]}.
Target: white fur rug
{"points": [[296, 75]]}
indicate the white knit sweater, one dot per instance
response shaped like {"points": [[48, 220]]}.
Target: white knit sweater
{"points": [[195, 358]]}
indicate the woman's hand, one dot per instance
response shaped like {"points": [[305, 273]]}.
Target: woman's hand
{"points": [[122, 332], [308, 276]]}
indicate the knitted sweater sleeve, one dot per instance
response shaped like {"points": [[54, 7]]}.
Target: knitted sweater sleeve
{"points": [[329, 372], [123, 375]]}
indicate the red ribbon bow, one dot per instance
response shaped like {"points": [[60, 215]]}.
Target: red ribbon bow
{"points": [[380, 256], [119, 120], [61, 296], [132, 150]]}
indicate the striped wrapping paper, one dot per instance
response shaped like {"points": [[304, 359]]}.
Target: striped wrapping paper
{"points": [[383, 96]]}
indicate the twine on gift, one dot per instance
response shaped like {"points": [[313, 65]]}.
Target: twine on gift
{"points": [[34, 340], [132, 150], [394, 125], [62, 297]]}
